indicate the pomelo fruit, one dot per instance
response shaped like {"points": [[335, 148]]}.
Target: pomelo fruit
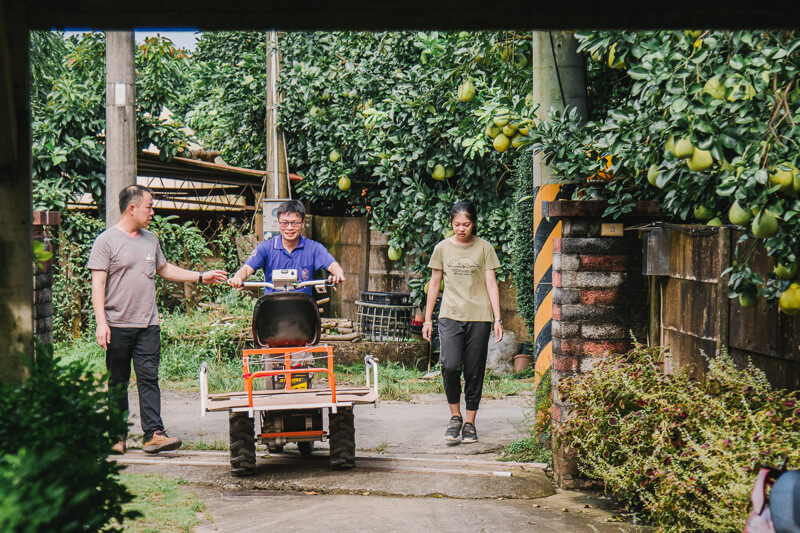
{"points": [[700, 160], [683, 148], [765, 225], [739, 216]]}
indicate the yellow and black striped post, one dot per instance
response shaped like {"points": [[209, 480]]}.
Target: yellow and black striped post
{"points": [[544, 232]]}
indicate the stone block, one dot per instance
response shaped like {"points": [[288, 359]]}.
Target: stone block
{"points": [[613, 296], [556, 279], [581, 348], [568, 262], [602, 246], [556, 314], [563, 296], [592, 280], [565, 363], [605, 331], [598, 314], [565, 330], [580, 227], [557, 246], [43, 295], [610, 263]]}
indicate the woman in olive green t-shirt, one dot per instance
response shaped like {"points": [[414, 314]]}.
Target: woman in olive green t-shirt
{"points": [[470, 305]]}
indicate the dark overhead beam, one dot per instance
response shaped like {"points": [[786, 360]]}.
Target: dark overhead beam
{"points": [[410, 14]]}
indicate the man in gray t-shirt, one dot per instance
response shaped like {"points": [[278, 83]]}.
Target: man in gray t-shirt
{"points": [[124, 261]]}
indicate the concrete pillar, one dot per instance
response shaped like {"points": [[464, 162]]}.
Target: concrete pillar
{"points": [[16, 236], [558, 82], [120, 119]]}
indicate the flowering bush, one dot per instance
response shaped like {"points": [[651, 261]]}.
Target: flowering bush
{"points": [[685, 452]]}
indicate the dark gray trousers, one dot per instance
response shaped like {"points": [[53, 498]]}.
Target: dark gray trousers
{"points": [[464, 346], [142, 346]]}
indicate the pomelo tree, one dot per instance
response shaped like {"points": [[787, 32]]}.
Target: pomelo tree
{"points": [[705, 123], [403, 116]]}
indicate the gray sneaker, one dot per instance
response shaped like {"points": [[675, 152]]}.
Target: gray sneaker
{"points": [[469, 434], [453, 428]]}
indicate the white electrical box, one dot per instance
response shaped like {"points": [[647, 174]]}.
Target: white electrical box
{"points": [[284, 278], [270, 212]]}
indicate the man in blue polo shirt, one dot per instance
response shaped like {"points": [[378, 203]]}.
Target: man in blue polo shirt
{"points": [[289, 250]]}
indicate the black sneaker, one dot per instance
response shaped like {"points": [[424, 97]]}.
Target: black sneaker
{"points": [[469, 434], [453, 428]]}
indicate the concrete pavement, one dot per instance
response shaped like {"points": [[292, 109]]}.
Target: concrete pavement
{"points": [[407, 477]]}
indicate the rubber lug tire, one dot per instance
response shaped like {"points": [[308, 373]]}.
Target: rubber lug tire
{"points": [[342, 434], [243, 444]]}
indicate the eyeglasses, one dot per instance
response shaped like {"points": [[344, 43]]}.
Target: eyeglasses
{"points": [[292, 224]]}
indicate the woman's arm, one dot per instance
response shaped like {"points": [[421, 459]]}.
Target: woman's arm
{"points": [[433, 294], [494, 299]]}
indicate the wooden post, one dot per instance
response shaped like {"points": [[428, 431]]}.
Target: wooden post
{"points": [[365, 248], [16, 237], [120, 119]]}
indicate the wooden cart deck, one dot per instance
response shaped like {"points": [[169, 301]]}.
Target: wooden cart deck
{"points": [[271, 400]]}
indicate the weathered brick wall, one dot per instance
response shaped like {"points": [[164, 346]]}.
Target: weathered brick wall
{"points": [[43, 223], [599, 300]]}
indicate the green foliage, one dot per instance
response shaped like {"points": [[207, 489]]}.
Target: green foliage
{"points": [[732, 94], [387, 103], [56, 429], [72, 281], [522, 251], [183, 245], [684, 452], [68, 103], [228, 92]]}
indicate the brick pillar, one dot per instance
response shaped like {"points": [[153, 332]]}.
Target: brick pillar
{"points": [[43, 277], [599, 299]]}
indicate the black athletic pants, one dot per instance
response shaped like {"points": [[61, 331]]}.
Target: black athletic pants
{"points": [[142, 346], [464, 346]]}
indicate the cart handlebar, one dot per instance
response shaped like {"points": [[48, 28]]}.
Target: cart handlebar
{"points": [[269, 285]]}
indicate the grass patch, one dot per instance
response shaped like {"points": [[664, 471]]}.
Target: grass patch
{"points": [[528, 450], [164, 506], [201, 445]]}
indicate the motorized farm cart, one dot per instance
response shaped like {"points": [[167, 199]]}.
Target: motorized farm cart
{"points": [[286, 333]]}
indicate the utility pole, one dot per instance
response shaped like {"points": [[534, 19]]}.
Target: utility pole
{"points": [[120, 119], [277, 174], [559, 82]]}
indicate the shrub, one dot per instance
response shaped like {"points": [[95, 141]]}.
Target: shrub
{"points": [[683, 451], [56, 430], [522, 252]]}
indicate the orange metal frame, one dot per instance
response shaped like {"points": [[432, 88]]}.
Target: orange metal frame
{"points": [[286, 352]]}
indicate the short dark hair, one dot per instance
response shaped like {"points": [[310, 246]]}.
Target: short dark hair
{"points": [[292, 206], [132, 194], [467, 209]]}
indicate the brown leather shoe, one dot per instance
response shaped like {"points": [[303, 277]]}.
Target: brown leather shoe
{"points": [[160, 442], [119, 447]]}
